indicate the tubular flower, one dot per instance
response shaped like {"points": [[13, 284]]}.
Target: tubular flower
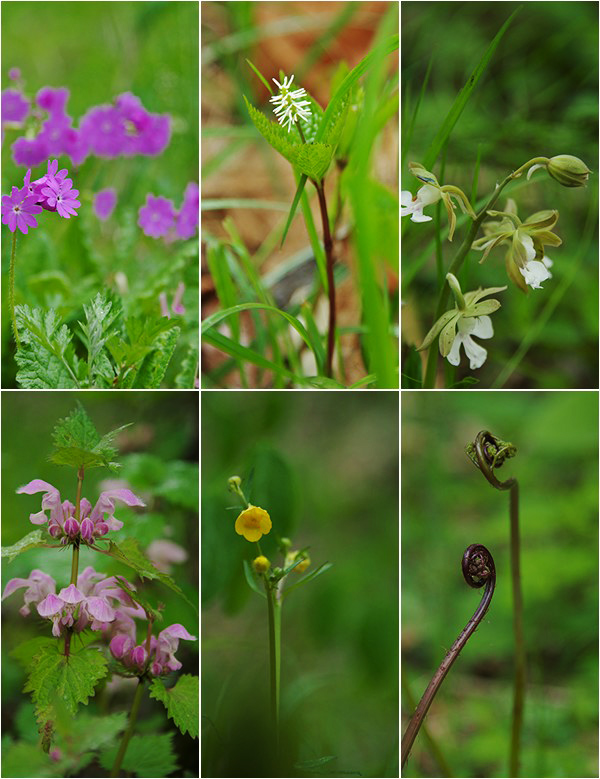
{"points": [[432, 192], [93, 522], [526, 262], [415, 205], [288, 104], [253, 523], [470, 317]]}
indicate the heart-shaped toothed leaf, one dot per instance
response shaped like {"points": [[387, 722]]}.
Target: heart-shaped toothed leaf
{"points": [[180, 701], [273, 133]]}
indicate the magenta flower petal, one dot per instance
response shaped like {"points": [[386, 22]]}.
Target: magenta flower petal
{"points": [[87, 529], [50, 606], [120, 645], [15, 108], [176, 631], [104, 203], [139, 656], [100, 609], [157, 216], [71, 594]]}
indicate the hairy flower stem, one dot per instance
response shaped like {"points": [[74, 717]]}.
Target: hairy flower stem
{"points": [[478, 569], [432, 358], [328, 243], [135, 707], [274, 611], [11, 291]]}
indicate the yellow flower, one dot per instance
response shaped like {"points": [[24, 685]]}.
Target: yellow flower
{"points": [[261, 564], [252, 523]]}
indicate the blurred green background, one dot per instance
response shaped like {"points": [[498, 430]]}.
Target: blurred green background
{"points": [[98, 51], [447, 505], [158, 454], [325, 466], [538, 96]]}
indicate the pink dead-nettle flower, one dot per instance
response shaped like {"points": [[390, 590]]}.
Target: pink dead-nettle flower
{"points": [[95, 602], [161, 658], [92, 522]]}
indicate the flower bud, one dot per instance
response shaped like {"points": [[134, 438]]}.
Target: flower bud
{"points": [[101, 529], [301, 567], [71, 527], [156, 669], [261, 564], [235, 483], [568, 170], [120, 645], [87, 529], [55, 530], [139, 656]]}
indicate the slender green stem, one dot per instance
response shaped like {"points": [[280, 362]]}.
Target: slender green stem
{"points": [[135, 707], [75, 560], [328, 244], [274, 610], [11, 291]]}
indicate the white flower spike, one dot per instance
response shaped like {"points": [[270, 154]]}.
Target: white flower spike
{"points": [[289, 106]]}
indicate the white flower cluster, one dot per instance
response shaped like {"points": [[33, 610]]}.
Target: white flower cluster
{"points": [[289, 106]]}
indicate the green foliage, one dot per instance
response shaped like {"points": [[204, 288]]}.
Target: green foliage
{"points": [[20, 759], [189, 370], [134, 351], [26, 651], [180, 701], [147, 755], [252, 579], [129, 553], [30, 541], [78, 444], [67, 680]]}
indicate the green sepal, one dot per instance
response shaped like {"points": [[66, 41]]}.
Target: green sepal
{"points": [[422, 174], [432, 334], [484, 308], [448, 335]]}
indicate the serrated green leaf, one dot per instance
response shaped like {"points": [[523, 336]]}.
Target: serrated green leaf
{"points": [[78, 444], [154, 366], [147, 755], [30, 541], [312, 159], [181, 702], [186, 378], [24, 653], [129, 553], [46, 359], [65, 681], [272, 132], [22, 759], [96, 330], [252, 583]]}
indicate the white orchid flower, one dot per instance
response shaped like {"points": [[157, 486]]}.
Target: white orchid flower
{"points": [[414, 206]]}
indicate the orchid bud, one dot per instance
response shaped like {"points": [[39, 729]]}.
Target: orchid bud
{"points": [[71, 527], [568, 170], [87, 529]]}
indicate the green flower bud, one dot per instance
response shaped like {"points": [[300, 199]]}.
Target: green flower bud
{"points": [[235, 483], [568, 170]]}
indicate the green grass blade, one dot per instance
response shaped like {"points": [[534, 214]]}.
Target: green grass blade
{"points": [[407, 136], [209, 204], [462, 98], [294, 206], [245, 354], [260, 75], [320, 45]]}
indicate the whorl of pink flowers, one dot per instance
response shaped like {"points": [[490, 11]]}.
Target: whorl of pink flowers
{"points": [[161, 659], [93, 522]]}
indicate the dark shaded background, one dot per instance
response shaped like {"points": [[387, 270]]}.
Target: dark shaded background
{"points": [[537, 97], [325, 466], [447, 505]]}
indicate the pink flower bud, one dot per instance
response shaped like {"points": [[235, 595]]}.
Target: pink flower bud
{"points": [[156, 669], [71, 527], [101, 529], [120, 645], [139, 656], [87, 529], [55, 530]]}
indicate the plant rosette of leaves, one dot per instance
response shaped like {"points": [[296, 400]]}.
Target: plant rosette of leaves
{"points": [[96, 620]]}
